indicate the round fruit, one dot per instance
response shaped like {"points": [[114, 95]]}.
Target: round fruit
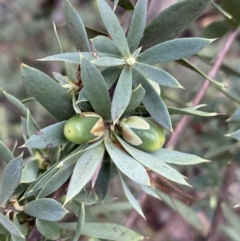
{"points": [[142, 133], [83, 128]]}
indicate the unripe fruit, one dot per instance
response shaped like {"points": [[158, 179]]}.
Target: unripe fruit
{"points": [[142, 133], [84, 128]]}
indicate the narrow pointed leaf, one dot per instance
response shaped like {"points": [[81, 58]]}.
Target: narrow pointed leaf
{"points": [[108, 231], [80, 223], [60, 105], [45, 209], [193, 111], [172, 21], [150, 191], [10, 226], [157, 75], [136, 98], [109, 61], [173, 50], [179, 158], [10, 179], [16, 103], [5, 153], [126, 164], [113, 26], [55, 182], [105, 45], [153, 163], [75, 27], [235, 116], [110, 75], [48, 137], [153, 102], [30, 172], [131, 198], [137, 25], [126, 4], [235, 135], [232, 7], [84, 170], [48, 229], [188, 214], [122, 94], [98, 97], [32, 126]]}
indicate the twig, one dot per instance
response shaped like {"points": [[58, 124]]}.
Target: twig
{"points": [[186, 119], [213, 234]]}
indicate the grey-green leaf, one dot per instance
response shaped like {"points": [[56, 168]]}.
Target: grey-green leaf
{"points": [[153, 163], [111, 74], [114, 28], [105, 45], [153, 102], [172, 21], [126, 164], [108, 231], [75, 27], [49, 137], [137, 25], [98, 97], [60, 105], [173, 50], [30, 171], [122, 94], [176, 157], [10, 226], [150, 191], [5, 153], [126, 4], [81, 219], [235, 135], [109, 61], [10, 179], [235, 116], [130, 197], [136, 98], [84, 170], [45, 209], [158, 75], [48, 229]]}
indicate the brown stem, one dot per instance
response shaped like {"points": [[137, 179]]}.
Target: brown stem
{"points": [[186, 119], [34, 235]]}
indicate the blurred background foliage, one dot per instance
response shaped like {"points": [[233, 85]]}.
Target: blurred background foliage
{"points": [[27, 34]]}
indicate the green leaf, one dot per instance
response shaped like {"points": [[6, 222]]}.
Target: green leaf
{"points": [[48, 229], [49, 137], [114, 28], [179, 158], [86, 196], [153, 102], [122, 94], [32, 126], [136, 98], [75, 27], [55, 182], [216, 29], [60, 105], [232, 7], [153, 163], [188, 214], [190, 66], [110, 75], [150, 191], [10, 179], [9, 226], [16, 103], [173, 50], [235, 135], [126, 4], [137, 25], [172, 21], [98, 97], [109, 61], [69, 57], [45, 209], [231, 217], [30, 172], [235, 116], [80, 223], [105, 45], [84, 170], [131, 198], [192, 110], [107, 231], [230, 232], [126, 164], [5, 153], [158, 75]]}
